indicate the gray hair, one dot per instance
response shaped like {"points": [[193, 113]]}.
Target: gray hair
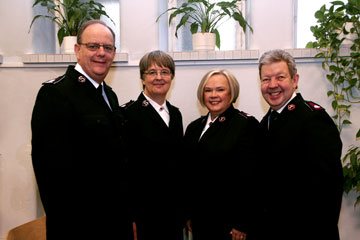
{"points": [[278, 55]]}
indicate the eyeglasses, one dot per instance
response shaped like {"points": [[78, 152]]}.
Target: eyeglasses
{"points": [[163, 72], [96, 46]]}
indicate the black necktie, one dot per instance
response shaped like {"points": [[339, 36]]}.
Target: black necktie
{"points": [[273, 117], [99, 91]]}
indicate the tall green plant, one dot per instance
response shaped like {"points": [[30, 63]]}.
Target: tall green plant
{"points": [[204, 16], [69, 15], [339, 28]]}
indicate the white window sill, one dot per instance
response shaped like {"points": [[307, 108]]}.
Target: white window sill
{"points": [[214, 55], [181, 58], [63, 58]]}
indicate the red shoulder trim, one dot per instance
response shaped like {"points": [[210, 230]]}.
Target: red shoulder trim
{"points": [[314, 106], [246, 115]]}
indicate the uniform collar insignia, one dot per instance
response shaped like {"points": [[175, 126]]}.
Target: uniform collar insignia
{"points": [[145, 103], [222, 119], [291, 107], [81, 79]]}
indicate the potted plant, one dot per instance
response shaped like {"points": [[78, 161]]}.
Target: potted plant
{"points": [[338, 28], [69, 15], [205, 17]]}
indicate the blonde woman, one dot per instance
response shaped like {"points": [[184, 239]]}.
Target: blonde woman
{"points": [[221, 152]]}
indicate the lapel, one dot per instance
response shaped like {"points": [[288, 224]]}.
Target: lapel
{"points": [[88, 88], [265, 121], [175, 121], [150, 111], [200, 124], [222, 121], [288, 112], [109, 94]]}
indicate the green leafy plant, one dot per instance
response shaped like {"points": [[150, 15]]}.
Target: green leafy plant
{"points": [[338, 29], [69, 15], [204, 16], [351, 172]]}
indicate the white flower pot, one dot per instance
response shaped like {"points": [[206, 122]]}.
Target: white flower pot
{"points": [[203, 41], [68, 45]]}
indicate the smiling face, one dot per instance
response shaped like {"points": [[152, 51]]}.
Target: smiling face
{"points": [[157, 82], [217, 95], [277, 86], [95, 63]]}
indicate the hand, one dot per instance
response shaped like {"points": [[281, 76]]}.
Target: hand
{"points": [[188, 225], [237, 235], [134, 230]]}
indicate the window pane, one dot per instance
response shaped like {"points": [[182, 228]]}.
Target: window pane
{"points": [[228, 36], [305, 19], [112, 8]]}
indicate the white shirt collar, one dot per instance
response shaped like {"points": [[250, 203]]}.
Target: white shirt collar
{"points": [[156, 105], [207, 125], [96, 84], [209, 119], [81, 70]]}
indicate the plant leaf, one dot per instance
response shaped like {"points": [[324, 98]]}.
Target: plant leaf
{"points": [[61, 35], [217, 43], [194, 27], [346, 122]]}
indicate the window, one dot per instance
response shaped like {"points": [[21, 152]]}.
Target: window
{"points": [[46, 41], [112, 8], [232, 36], [304, 19]]}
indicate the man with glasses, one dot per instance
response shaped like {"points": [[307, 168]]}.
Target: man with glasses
{"points": [[154, 133], [77, 148]]}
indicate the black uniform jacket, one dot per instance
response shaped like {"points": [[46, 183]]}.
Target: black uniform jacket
{"points": [[155, 151], [301, 173], [79, 160], [220, 167]]}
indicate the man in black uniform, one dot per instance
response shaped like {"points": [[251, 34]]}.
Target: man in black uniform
{"points": [[301, 167], [77, 148]]}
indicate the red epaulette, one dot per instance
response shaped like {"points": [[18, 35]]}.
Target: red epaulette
{"points": [[313, 106], [246, 115], [55, 80]]}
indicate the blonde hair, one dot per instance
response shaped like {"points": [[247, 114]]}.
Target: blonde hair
{"points": [[233, 83]]}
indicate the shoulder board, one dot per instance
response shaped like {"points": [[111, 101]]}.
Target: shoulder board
{"points": [[55, 80], [313, 106], [246, 115], [128, 104]]}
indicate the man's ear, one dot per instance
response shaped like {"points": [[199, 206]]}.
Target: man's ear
{"points": [[77, 49], [296, 81]]}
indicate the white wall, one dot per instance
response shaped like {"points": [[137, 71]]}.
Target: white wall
{"points": [[272, 23]]}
